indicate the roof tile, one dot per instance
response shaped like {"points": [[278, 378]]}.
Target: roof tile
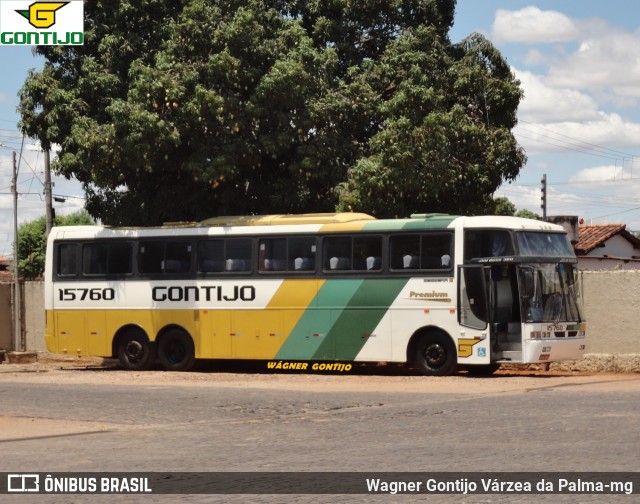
{"points": [[593, 235]]}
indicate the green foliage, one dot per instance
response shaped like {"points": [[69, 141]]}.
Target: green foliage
{"points": [[181, 111], [527, 214], [32, 243], [504, 206]]}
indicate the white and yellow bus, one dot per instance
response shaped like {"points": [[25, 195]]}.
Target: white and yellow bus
{"points": [[438, 292]]}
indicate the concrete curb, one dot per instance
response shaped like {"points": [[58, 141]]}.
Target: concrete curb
{"points": [[601, 363], [21, 357]]}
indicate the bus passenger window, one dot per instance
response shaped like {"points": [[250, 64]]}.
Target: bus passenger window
{"points": [[151, 256], [238, 255], [337, 253], [210, 256], [367, 253], [67, 259], [273, 254], [404, 252], [94, 258], [436, 252], [177, 257], [302, 253], [159, 257], [120, 260]]}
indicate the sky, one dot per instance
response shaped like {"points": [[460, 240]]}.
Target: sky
{"points": [[579, 120]]}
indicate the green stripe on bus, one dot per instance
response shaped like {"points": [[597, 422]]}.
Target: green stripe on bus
{"points": [[434, 222], [317, 320], [358, 320]]}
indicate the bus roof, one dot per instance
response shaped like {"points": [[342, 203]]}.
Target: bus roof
{"points": [[285, 219], [308, 223]]}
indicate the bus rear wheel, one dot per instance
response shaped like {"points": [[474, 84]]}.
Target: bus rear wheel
{"points": [[435, 354], [135, 352], [176, 351]]}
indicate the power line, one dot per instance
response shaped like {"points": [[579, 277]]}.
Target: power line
{"points": [[587, 145]]}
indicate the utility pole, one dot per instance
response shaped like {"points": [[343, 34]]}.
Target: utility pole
{"points": [[543, 197], [47, 193], [17, 322]]}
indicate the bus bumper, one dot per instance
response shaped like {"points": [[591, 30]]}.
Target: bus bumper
{"points": [[553, 350]]}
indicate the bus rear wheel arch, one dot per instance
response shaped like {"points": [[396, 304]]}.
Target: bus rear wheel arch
{"points": [[433, 353], [176, 351], [134, 350]]}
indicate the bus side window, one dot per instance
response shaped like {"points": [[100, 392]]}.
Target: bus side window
{"points": [[302, 253], [211, 256], [404, 252], [238, 255], [273, 254], [367, 253], [165, 257], [177, 257], [120, 259], [107, 258], [436, 252], [94, 258], [337, 253], [67, 259], [487, 243], [151, 257]]}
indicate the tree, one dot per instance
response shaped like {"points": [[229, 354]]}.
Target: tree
{"points": [[32, 242], [456, 148], [180, 111], [504, 206], [527, 214]]}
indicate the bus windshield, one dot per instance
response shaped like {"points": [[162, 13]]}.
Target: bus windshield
{"points": [[550, 293], [533, 243]]}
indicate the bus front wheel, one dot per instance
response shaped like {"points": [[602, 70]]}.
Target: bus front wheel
{"points": [[435, 354], [176, 351], [135, 351]]}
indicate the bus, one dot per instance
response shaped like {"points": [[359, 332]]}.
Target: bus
{"points": [[436, 292]]}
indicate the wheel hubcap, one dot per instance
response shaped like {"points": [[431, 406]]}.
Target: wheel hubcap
{"points": [[435, 355], [134, 350]]}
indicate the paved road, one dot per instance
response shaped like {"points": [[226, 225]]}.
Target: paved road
{"points": [[78, 420]]}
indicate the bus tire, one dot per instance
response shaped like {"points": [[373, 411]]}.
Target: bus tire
{"points": [[176, 351], [435, 354], [135, 352]]}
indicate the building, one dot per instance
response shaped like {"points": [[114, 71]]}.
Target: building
{"points": [[5, 269], [607, 247]]}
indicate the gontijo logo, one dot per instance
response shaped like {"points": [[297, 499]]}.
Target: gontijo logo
{"points": [[42, 14], [41, 23]]}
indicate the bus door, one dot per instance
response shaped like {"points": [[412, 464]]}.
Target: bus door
{"points": [[504, 312], [474, 347]]}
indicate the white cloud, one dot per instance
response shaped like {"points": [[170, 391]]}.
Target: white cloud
{"points": [[543, 103], [598, 174], [600, 138], [532, 25], [601, 60], [607, 64]]}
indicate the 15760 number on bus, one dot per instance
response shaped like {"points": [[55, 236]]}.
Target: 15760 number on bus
{"points": [[79, 294]]}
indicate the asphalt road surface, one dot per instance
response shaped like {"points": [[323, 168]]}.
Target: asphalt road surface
{"points": [[66, 418]]}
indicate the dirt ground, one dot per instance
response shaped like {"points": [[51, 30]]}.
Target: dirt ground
{"points": [[362, 378]]}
